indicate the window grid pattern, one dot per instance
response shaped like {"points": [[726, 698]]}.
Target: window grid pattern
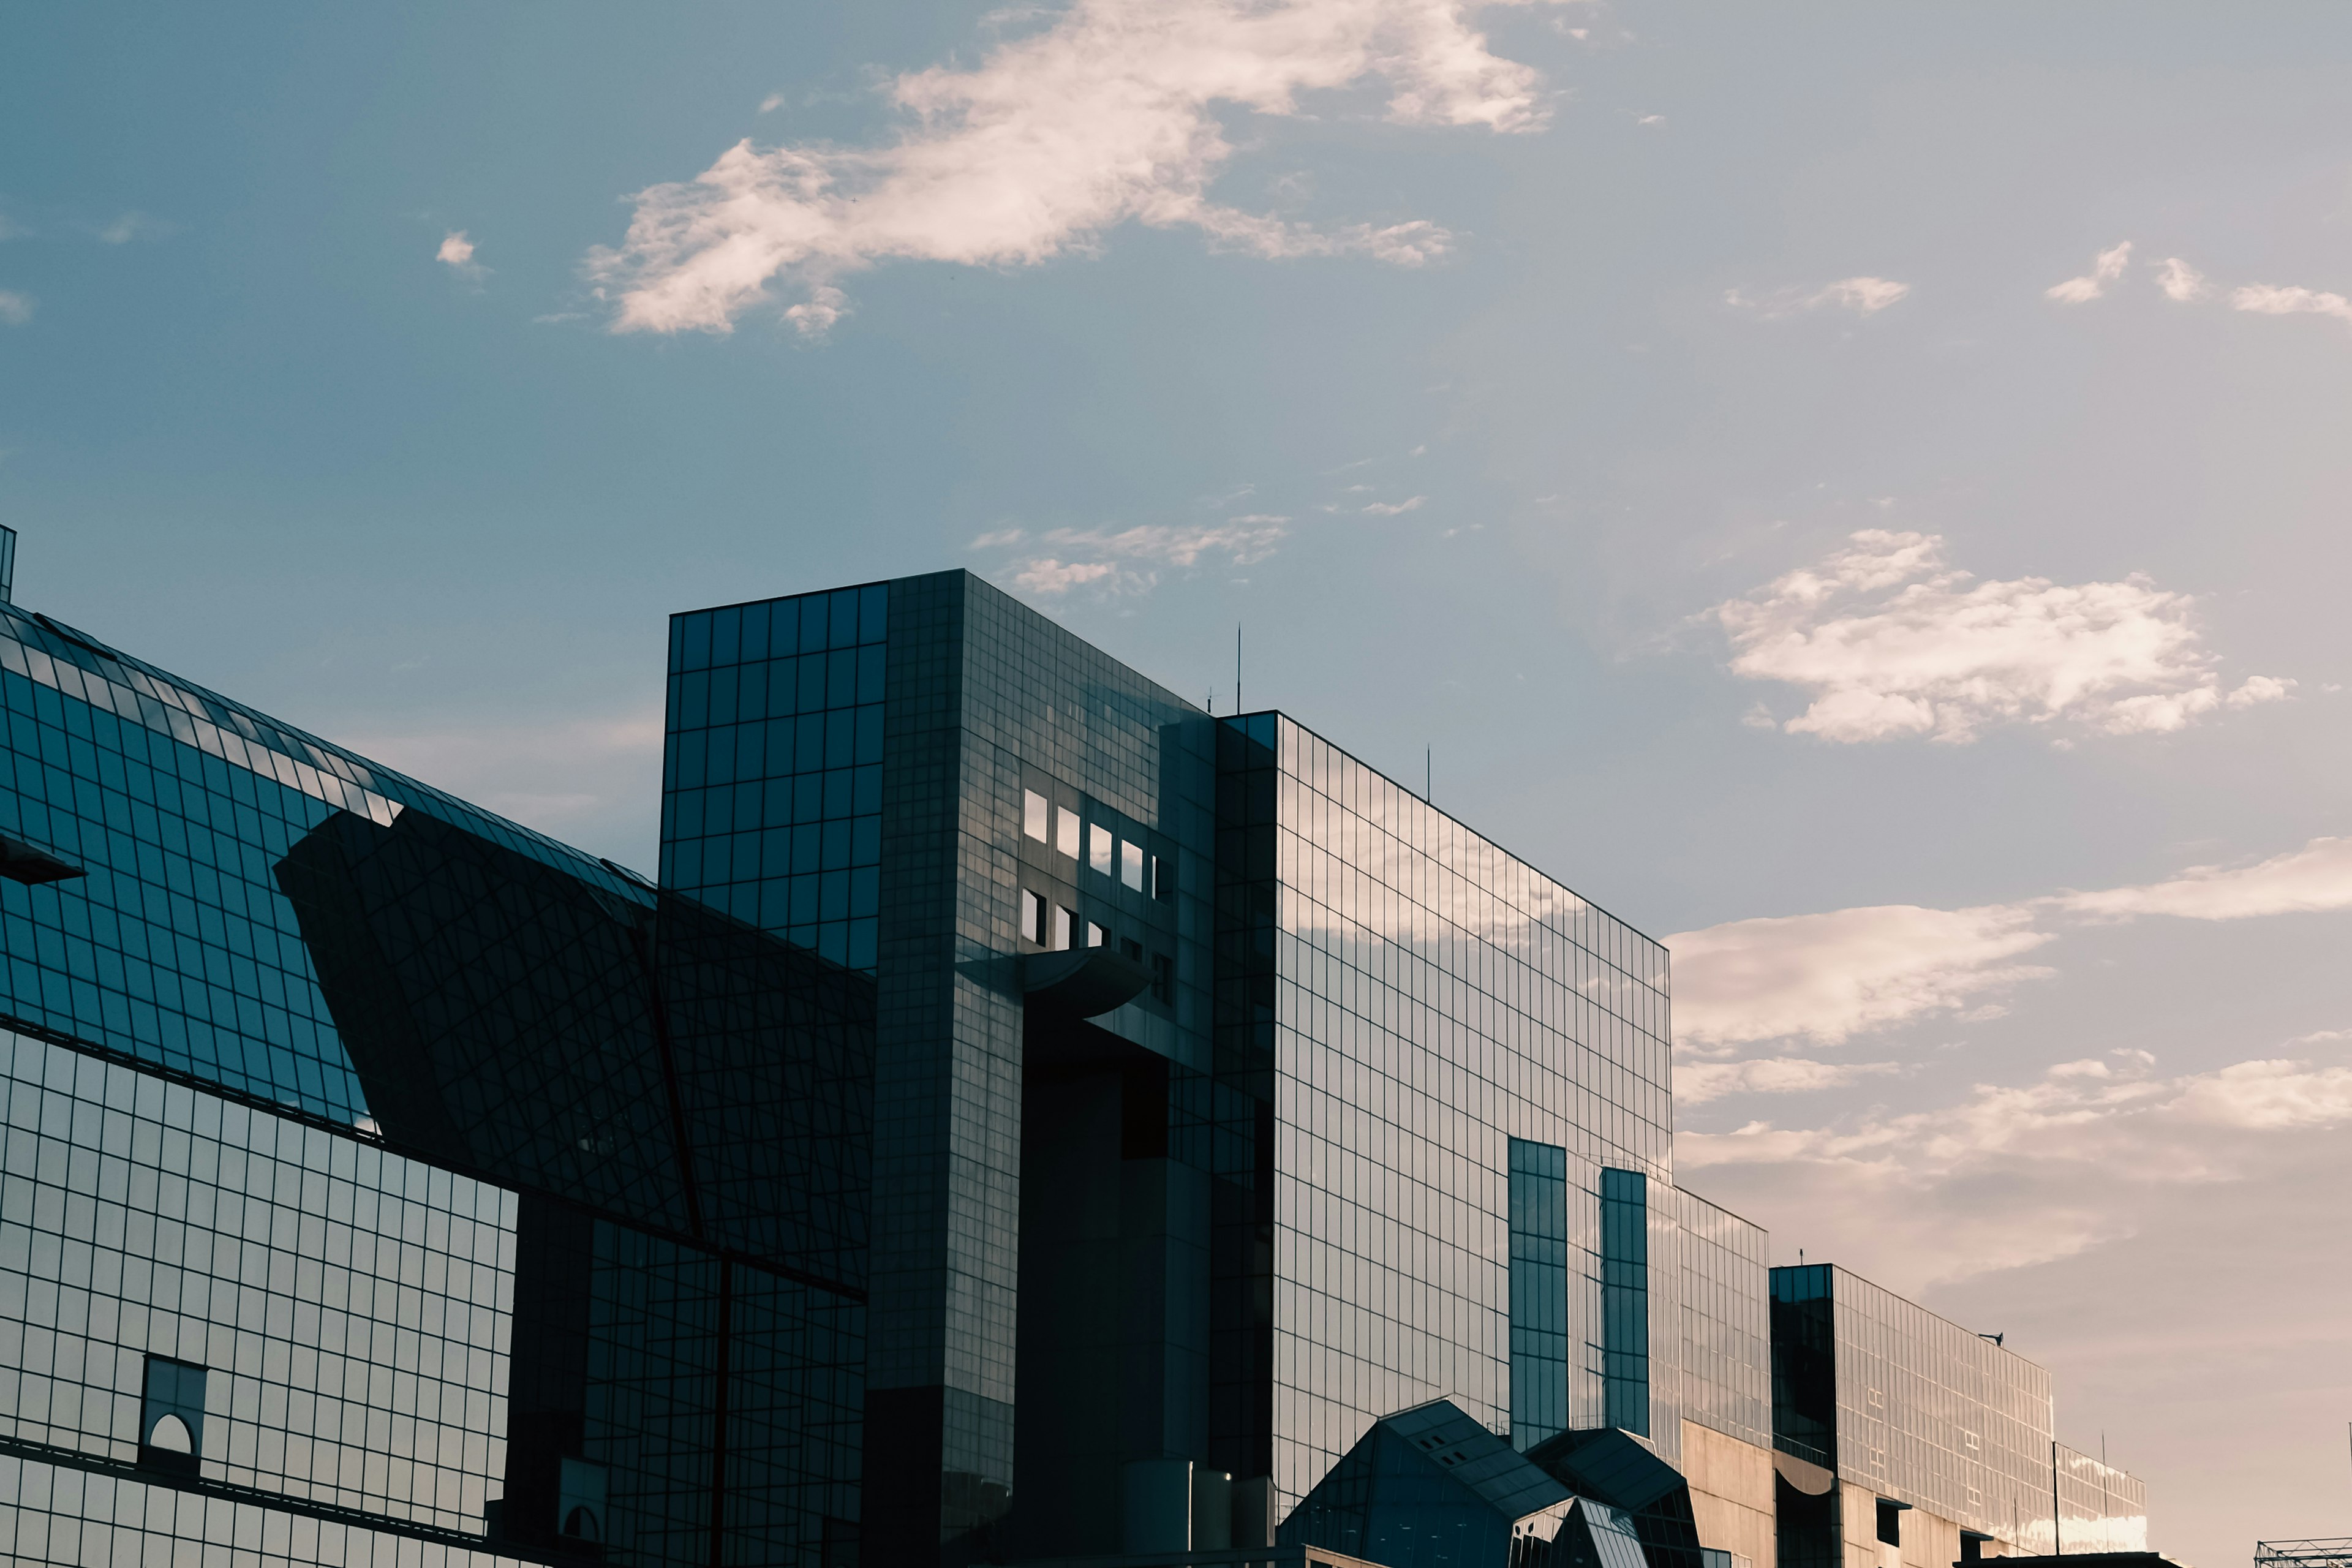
{"points": [[1931, 1413], [1436, 996], [771, 788], [177, 946], [352, 1306], [1723, 1274], [53, 1516]]}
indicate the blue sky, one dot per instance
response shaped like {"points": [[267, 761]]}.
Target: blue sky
{"points": [[1857, 489]]}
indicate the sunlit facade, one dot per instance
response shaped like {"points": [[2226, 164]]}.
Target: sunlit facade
{"points": [[1918, 1439]]}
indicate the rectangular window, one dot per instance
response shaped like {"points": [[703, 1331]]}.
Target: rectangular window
{"points": [[1890, 1521], [1538, 1292], [1163, 978], [1095, 935], [1625, 1300], [1130, 865], [1066, 831], [1163, 879], [1033, 917], [1098, 843], [172, 1416], [1033, 814], [1062, 919], [1132, 948]]}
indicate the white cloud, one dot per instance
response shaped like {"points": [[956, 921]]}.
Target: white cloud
{"points": [[772, 102], [2181, 282], [15, 309], [1125, 560], [1392, 509], [1826, 977], [1696, 1083], [1864, 296], [2269, 300], [1047, 575], [1109, 115], [457, 252], [2012, 1175], [134, 226], [1891, 641], [2315, 878], [2081, 290]]}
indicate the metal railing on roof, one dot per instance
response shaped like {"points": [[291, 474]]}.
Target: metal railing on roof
{"points": [[2330, 1551]]}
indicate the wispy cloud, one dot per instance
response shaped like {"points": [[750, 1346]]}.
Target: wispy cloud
{"points": [[2090, 1151], [15, 309], [2180, 281], [1394, 509], [1696, 1083], [1891, 641], [2082, 290], [2270, 299], [1127, 560], [134, 226], [1109, 115], [1827, 977], [2184, 284], [457, 252], [2314, 879], [1863, 296]]}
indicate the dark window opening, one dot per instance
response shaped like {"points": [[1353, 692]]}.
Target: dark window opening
{"points": [[1890, 1521], [1163, 978], [172, 1416], [1625, 1300]]}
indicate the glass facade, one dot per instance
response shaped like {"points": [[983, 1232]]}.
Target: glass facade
{"points": [[1916, 1408], [346, 1311], [175, 945], [772, 770], [1418, 998], [1722, 1277], [456, 1185]]}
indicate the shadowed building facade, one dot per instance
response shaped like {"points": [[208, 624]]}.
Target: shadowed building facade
{"points": [[1026, 1116]]}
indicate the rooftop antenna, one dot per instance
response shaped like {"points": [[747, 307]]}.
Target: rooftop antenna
{"points": [[1428, 775], [1237, 667]]}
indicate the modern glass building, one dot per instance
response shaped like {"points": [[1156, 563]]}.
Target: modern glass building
{"points": [[1895, 1428], [1026, 1116]]}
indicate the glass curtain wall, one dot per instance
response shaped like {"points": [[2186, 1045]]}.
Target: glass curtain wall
{"points": [[1431, 997], [772, 777]]}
